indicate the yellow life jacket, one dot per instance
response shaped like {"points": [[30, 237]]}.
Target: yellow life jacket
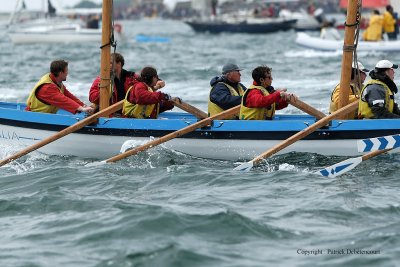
{"points": [[139, 111], [388, 22], [35, 104], [354, 95], [365, 111], [264, 113], [214, 109], [374, 30]]}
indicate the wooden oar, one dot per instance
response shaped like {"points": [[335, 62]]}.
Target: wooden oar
{"points": [[307, 109], [348, 164], [247, 166], [189, 108], [105, 112], [226, 114]]}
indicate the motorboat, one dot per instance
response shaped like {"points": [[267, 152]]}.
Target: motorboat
{"points": [[317, 43]]}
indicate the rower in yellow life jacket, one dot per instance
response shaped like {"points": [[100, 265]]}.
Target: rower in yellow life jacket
{"points": [[50, 94], [377, 96], [143, 101], [226, 90], [261, 100], [354, 93]]}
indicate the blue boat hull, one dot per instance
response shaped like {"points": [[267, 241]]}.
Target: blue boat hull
{"points": [[224, 139]]}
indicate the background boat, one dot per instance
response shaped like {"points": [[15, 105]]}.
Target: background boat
{"points": [[313, 42], [246, 26]]}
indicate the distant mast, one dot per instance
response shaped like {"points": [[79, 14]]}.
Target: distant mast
{"points": [[105, 55], [348, 49]]}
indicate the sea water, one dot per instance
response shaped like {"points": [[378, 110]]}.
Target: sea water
{"points": [[164, 208]]}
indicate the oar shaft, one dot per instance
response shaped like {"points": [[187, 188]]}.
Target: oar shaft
{"points": [[307, 109], [190, 109], [349, 108], [68, 130], [374, 154], [226, 114]]}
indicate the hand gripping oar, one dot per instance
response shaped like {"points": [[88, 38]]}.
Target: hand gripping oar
{"points": [[189, 108], [307, 109], [105, 112], [223, 115], [247, 166], [348, 164]]}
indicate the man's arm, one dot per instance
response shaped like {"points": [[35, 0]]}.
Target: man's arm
{"points": [[376, 101]]}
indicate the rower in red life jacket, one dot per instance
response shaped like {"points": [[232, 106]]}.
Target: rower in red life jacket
{"points": [[50, 94]]}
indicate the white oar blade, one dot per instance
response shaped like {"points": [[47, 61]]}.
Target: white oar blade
{"points": [[245, 167], [378, 143], [340, 168], [96, 163]]}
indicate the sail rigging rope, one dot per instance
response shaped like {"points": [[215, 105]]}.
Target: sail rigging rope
{"points": [[356, 38]]}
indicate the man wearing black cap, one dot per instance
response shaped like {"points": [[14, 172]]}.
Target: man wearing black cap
{"points": [[377, 96], [226, 90], [358, 75]]}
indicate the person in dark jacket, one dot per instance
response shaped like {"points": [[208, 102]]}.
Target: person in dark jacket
{"points": [[377, 96], [123, 79], [226, 90]]}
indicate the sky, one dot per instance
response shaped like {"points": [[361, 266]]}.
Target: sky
{"points": [[9, 5]]}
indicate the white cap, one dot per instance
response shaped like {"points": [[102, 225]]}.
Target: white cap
{"points": [[385, 64], [360, 67]]}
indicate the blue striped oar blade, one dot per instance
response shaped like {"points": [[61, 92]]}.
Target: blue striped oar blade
{"points": [[340, 168], [378, 143]]}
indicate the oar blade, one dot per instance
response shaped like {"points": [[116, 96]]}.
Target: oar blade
{"points": [[340, 168], [244, 167], [378, 143]]}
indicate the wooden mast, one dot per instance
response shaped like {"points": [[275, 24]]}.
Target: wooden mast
{"points": [[348, 49], [105, 55]]}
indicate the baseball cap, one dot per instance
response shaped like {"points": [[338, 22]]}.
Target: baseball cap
{"points": [[230, 67], [385, 64], [360, 67]]}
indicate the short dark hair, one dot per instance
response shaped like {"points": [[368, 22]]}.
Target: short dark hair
{"points": [[118, 58], [389, 8], [259, 73], [376, 12], [147, 74], [58, 66]]}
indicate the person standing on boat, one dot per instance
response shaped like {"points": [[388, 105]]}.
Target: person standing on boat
{"points": [[142, 100], [226, 90], [357, 76], [389, 23], [123, 79], [49, 94], [375, 26], [377, 96], [260, 100]]}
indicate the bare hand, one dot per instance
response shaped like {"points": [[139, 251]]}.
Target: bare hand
{"points": [[86, 109], [160, 84]]}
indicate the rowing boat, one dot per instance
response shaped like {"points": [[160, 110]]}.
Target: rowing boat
{"points": [[224, 139]]}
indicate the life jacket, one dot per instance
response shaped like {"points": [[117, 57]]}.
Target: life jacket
{"points": [[214, 109], [132, 110], [388, 22], [365, 111], [34, 104], [264, 113], [374, 30], [354, 95]]}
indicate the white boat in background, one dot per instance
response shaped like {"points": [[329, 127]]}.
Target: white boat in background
{"points": [[305, 40], [54, 34]]}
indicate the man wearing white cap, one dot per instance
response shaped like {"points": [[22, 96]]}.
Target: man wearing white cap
{"points": [[377, 96], [358, 75], [226, 90]]}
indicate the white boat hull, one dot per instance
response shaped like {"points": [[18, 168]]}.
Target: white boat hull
{"points": [[317, 43]]}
